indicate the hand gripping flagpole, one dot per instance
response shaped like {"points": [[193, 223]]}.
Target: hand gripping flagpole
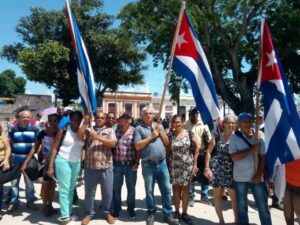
{"points": [[171, 59]]}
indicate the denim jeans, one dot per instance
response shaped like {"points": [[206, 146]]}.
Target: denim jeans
{"points": [[159, 173], [66, 174], [204, 190], [121, 171], [93, 177], [29, 190], [259, 192]]}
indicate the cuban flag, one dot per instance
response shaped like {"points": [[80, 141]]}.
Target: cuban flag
{"points": [[190, 61], [85, 74], [282, 123]]}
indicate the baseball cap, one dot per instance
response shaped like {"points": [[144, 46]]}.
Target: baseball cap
{"points": [[245, 116]]}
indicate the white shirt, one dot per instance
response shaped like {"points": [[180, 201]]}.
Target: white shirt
{"points": [[71, 147]]}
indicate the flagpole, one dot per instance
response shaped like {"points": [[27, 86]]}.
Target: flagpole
{"points": [[257, 94], [171, 60]]}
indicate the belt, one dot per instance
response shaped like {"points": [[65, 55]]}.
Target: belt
{"points": [[124, 163], [153, 162]]}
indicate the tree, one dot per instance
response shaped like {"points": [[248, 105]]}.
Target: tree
{"points": [[286, 33], [228, 32], [46, 56], [10, 84]]}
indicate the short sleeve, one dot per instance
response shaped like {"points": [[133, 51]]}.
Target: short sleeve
{"points": [[41, 135], [232, 144], [112, 135], [262, 146], [11, 133], [207, 132], [137, 136], [36, 131]]}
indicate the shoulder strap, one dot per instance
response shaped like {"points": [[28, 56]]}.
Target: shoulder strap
{"points": [[239, 134]]}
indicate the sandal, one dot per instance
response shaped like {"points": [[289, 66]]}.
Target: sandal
{"points": [[185, 217]]}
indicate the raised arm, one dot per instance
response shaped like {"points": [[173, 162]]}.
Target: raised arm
{"points": [[81, 130], [244, 153]]}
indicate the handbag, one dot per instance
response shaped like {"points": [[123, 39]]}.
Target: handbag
{"points": [[33, 171], [12, 173]]}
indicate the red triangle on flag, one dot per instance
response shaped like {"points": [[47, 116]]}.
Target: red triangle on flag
{"points": [[269, 66], [185, 45]]}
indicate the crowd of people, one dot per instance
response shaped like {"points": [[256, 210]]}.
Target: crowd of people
{"points": [[229, 157]]}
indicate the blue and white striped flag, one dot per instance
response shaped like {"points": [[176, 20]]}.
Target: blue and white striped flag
{"points": [[190, 61], [85, 74], [282, 123]]}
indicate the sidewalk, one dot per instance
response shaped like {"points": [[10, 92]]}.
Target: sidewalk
{"points": [[201, 214]]}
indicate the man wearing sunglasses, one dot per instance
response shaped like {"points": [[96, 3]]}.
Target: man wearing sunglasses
{"points": [[98, 166]]}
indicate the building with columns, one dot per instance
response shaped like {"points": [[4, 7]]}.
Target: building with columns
{"points": [[133, 102]]}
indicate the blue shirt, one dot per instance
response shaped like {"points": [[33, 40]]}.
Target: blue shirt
{"points": [[155, 149], [63, 121], [22, 141], [243, 170]]}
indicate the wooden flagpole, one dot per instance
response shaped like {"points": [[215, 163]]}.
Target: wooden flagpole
{"points": [[171, 60], [257, 106]]}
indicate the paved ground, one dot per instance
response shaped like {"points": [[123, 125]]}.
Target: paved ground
{"points": [[201, 214]]}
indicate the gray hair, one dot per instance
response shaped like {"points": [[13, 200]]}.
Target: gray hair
{"points": [[146, 108], [229, 116]]}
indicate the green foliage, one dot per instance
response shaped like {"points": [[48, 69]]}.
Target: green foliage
{"points": [[48, 64], [285, 29], [46, 55], [10, 84], [229, 34]]}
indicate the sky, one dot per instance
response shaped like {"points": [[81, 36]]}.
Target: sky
{"points": [[12, 10]]}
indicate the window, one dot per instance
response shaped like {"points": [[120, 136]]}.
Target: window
{"points": [[155, 106], [169, 108], [128, 108], [111, 107]]}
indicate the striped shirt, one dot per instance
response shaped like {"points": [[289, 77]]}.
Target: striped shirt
{"points": [[125, 147], [22, 140]]}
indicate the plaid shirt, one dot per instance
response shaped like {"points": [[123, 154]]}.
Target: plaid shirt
{"points": [[98, 156], [125, 150]]}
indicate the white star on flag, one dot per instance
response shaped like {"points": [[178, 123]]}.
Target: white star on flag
{"points": [[181, 40], [272, 59]]}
